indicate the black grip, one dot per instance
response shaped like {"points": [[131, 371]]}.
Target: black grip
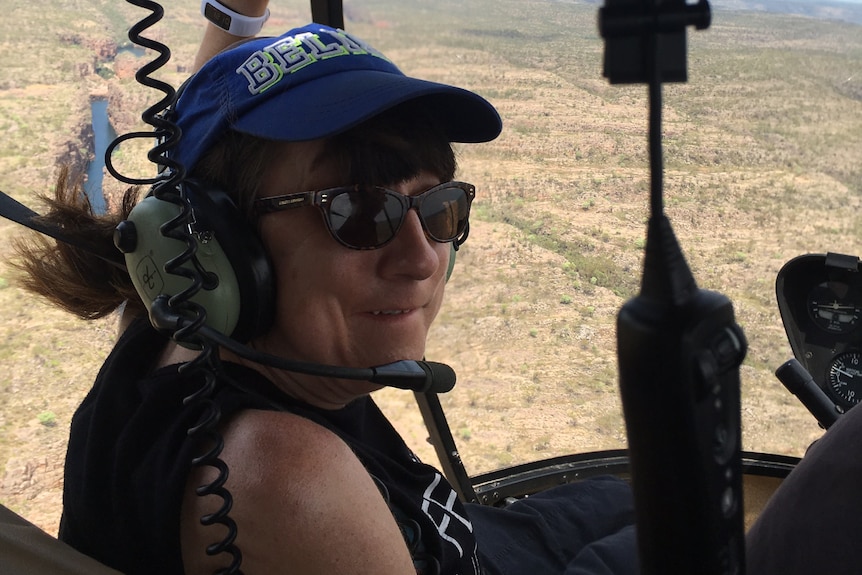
{"points": [[679, 380], [799, 382]]}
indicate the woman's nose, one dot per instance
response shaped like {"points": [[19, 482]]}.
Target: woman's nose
{"points": [[412, 252]]}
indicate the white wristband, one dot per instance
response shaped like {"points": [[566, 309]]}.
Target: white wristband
{"points": [[232, 22]]}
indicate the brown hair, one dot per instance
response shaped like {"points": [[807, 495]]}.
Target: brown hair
{"points": [[74, 279], [387, 149], [390, 148]]}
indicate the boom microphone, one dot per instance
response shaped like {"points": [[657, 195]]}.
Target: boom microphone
{"points": [[420, 376]]}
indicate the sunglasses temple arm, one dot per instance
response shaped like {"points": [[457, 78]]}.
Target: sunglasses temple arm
{"points": [[456, 243]]}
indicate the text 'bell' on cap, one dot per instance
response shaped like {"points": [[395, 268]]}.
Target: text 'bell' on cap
{"points": [[312, 82]]}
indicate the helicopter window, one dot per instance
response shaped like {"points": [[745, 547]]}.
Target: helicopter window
{"points": [[762, 151]]}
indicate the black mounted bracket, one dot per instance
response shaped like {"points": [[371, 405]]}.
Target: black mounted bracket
{"points": [[627, 25]]}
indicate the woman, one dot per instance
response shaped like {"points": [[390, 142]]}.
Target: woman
{"points": [[319, 482]]}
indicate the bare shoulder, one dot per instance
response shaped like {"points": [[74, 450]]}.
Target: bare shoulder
{"points": [[302, 501]]}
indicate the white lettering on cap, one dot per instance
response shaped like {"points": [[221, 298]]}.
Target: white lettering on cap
{"points": [[267, 66]]}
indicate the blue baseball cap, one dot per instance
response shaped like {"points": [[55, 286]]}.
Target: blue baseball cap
{"points": [[312, 82]]}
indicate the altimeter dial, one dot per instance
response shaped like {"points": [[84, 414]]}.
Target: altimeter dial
{"points": [[845, 378]]}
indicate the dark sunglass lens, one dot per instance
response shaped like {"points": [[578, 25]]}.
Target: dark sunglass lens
{"points": [[365, 218], [445, 212]]}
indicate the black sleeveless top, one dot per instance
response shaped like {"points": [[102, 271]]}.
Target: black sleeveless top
{"points": [[129, 456]]}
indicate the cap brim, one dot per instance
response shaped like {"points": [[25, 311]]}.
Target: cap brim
{"points": [[333, 104]]}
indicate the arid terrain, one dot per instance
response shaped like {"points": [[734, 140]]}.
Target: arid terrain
{"points": [[762, 154]]}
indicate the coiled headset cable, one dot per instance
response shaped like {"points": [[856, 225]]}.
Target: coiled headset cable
{"points": [[167, 186]]}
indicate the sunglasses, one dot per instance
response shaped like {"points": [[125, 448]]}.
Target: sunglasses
{"points": [[368, 217]]}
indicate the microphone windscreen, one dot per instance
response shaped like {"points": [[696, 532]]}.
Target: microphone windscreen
{"points": [[442, 377], [421, 376]]}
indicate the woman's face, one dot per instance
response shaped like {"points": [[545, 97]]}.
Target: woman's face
{"points": [[339, 306]]}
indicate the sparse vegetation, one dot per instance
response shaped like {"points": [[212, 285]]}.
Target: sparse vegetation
{"points": [[47, 418]]}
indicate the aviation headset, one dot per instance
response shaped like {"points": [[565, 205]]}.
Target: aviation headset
{"points": [[238, 283]]}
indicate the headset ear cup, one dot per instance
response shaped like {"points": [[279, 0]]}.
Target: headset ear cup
{"points": [[147, 252], [452, 251], [216, 211], [238, 293]]}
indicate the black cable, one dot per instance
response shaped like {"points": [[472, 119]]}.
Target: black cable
{"points": [[167, 186], [165, 131], [207, 364]]}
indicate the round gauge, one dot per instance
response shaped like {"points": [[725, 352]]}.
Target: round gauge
{"points": [[834, 312], [845, 377]]}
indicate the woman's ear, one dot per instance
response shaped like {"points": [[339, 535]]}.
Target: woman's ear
{"points": [[452, 251]]}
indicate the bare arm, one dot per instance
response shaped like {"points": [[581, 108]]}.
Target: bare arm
{"points": [[303, 504], [215, 39]]}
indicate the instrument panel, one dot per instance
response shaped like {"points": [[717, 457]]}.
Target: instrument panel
{"points": [[820, 300]]}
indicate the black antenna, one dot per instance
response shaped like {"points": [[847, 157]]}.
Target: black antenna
{"points": [[679, 347]]}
